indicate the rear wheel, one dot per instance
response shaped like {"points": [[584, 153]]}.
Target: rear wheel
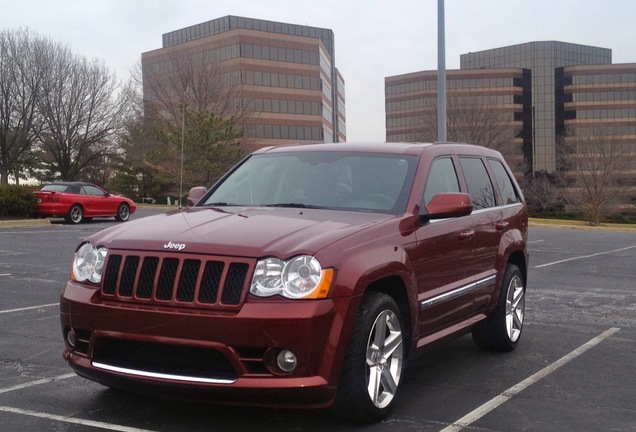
{"points": [[75, 215], [374, 363], [123, 212], [502, 330]]}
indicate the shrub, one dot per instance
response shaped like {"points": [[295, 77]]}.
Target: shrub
{"points": [[16, 201], [622, 218]]}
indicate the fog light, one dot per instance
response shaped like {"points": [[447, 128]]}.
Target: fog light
{"points": [[286, 361], [71, 339]]}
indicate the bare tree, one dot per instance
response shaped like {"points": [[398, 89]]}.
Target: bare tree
{"points": [[185, 102], [191, 80], [472, 119], [543, 192], [22, 61], [597, 170], [83, 107]]}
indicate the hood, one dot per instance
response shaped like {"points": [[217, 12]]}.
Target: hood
{"points": [[243, 231]]}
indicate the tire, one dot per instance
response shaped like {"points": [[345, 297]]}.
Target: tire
{"points": [[75, 214], [123, 212], [374, 362], [502, 330]]}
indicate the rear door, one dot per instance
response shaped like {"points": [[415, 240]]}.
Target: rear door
{"points": [[487, 224]]}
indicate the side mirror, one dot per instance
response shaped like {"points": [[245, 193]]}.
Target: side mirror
{"points": [[447, 205], [195, 194]]}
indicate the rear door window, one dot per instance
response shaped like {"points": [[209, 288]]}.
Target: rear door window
{"points": [[478, 182]]}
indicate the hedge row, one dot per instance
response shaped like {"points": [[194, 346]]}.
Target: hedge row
{"points": [[16, 201]]}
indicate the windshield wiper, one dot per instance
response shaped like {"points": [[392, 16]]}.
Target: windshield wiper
{"points": [[294, 205], [218, 204]]}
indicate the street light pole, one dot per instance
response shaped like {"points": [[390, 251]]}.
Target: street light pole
{"points": [[441, 73], [182, 144]]}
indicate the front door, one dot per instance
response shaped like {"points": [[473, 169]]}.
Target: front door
{"points": [[444, 253]]}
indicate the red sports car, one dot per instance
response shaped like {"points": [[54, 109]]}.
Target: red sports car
{"points": [[79, 201]]}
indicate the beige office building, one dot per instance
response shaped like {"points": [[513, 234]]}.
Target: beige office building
{"points": [[543, 90], [484, 106], [283, 76]]}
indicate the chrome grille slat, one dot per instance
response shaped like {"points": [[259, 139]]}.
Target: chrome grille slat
{"points": [[209, 282]]}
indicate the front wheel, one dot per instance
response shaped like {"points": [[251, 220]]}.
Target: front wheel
{"points": [[123, 212], [374, 361], [502, 330]]}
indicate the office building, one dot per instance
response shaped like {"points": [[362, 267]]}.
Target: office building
{"points": [[484, 106], [284, 83], [543, 59], [545, 92]]}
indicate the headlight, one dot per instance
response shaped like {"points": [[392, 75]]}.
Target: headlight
{"points": [[88, 263], [299, 277]]}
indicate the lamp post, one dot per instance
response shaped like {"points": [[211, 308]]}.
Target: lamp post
{"points": [[441, 73], [183, 113]]}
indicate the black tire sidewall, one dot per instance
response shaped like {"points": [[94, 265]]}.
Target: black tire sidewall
{"points": [[353, 401], [69, 216], [492, 335], [118, 217]]}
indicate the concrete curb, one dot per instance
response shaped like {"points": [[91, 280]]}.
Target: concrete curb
{"points": [[10, 223]]}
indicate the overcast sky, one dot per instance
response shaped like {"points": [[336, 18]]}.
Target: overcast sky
{"points": [[373, 39]]}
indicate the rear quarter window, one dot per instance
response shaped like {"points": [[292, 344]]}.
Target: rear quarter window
{"points": [[509, 194]]}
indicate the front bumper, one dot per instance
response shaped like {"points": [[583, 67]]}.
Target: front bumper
{"points": [[227, 357]]}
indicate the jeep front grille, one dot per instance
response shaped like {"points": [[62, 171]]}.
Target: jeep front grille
{"points": [[189, 281]]}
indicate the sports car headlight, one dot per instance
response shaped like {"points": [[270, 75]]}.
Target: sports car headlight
{"points": [[298, 277], [88, 263]]}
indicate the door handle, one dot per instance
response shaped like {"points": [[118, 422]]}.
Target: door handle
{"points": [[466, 235], [500, 226]]}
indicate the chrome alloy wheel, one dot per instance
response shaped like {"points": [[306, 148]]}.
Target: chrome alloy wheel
{"points": [[123, 212], [515, 307], [385, 352], [76, 214]]}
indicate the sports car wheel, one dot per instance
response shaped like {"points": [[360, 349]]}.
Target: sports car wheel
{"points": [[502, 330], [123, 212], [75, 215], [374, 362]]}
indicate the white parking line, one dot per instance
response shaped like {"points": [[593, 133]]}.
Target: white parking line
{"points": [[585, 256], [36, 382], [5, 274], [73, 420], [489, 406], [28, 308], [60, 418]]}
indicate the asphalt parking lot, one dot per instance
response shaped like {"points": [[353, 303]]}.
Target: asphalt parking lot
{"points": [[573, 369]]}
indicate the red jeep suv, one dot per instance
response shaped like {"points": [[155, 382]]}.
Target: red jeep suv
{"points": [[306, 276]]}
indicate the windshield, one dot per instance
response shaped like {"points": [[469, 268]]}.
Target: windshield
{"points": [[336, 180]]}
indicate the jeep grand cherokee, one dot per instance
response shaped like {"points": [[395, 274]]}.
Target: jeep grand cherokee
{"points": [[306, 276]]}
